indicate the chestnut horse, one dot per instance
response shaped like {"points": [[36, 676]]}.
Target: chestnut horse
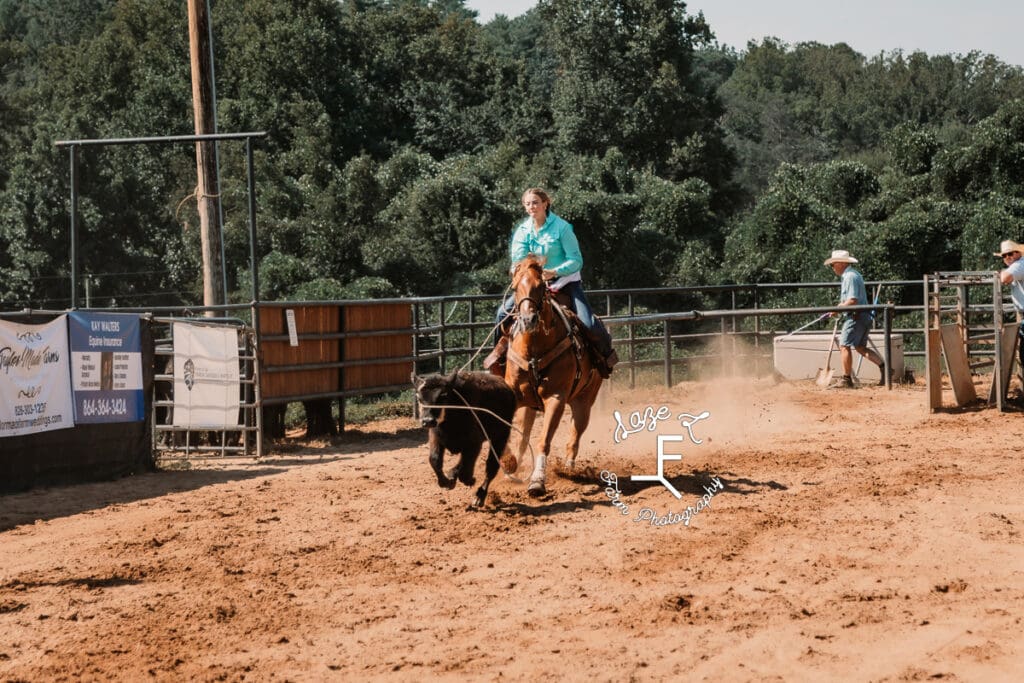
{"points": [[548, 367]]}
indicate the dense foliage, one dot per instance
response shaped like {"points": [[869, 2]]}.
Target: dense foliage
{"points": [[402, 132]]}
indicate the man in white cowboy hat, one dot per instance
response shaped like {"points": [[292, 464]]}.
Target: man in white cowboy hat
{"points": [[1013, 275], [858, 323]]}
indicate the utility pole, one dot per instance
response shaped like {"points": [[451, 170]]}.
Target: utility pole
{"points": [[207, 189]]}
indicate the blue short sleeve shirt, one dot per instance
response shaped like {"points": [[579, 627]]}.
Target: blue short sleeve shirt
{"points": [[852, 287], [1016, 270]]}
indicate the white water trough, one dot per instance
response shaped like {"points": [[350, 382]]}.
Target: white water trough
{"points": [[801, 355]]}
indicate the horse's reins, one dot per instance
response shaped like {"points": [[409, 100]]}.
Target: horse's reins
{"points": [[536, 365]]}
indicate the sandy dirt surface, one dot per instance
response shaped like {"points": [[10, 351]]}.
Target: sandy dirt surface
{"points": [[855, 537]]}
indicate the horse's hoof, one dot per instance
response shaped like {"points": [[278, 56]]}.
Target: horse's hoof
{"points": [[570, 463], [509, 463], [536, 488], [446, 483]]}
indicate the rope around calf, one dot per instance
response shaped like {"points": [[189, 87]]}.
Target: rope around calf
{"points": [[490, 445]]}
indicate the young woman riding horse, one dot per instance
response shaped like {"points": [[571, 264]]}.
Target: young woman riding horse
{"points": [[546, 235], [547, 368]]}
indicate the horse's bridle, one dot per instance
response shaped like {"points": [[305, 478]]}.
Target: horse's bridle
{"points": [[538, 302]]}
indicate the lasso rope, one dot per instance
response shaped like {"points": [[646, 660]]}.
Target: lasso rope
{"points": [[474, 410], [489, 333]]}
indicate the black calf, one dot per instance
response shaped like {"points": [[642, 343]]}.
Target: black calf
{"points": [[458, 429]]}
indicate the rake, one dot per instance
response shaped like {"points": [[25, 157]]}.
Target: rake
{"points": [[825, 375]]}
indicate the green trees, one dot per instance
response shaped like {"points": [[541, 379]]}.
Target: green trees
{"points": [[103, 70], [628, 82], [401, 135], [810, 103], [931, 207]]}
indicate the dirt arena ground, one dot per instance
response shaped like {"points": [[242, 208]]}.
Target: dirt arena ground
{"points": [[855, 538]]}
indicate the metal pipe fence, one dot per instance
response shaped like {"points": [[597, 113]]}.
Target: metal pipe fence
{"points": [[676, 341], [662, 334], [171, 441]]}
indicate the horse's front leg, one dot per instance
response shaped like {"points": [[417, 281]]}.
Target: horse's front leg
{"points": [[437, 460], [525, 417], [554, 406], [580, 409]]}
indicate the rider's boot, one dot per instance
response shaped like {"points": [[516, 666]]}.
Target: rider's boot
{"points": [[495, 362], [603, 354], [607, 362], [611, 359]]}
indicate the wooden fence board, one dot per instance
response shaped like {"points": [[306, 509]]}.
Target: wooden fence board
{"points": [[378, 317], [322, 319], [1009, 344]]}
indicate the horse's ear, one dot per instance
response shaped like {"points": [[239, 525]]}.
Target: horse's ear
{"points": [[417, 382], [454, 376]]}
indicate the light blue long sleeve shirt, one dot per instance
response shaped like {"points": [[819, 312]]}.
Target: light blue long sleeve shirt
{"points": [[555, 240]]}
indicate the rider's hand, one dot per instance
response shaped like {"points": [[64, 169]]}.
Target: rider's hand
{"points": [[549, 274]]}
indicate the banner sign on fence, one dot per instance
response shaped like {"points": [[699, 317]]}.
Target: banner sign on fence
{"points": [[106, 367], [35, 388], [206, 376]]}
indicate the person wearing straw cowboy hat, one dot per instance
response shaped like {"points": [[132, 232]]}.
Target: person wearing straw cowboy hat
{"points": [[858, 323], [1013, 275]]}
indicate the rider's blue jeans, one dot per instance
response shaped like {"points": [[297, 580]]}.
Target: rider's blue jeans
{"points": [[579, 304]]}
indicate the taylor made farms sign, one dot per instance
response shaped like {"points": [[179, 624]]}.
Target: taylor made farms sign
{"points": [[106, 367], [35, 388]]}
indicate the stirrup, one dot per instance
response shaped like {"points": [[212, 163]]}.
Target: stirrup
{"points": [[606, 364], [495, 361]]}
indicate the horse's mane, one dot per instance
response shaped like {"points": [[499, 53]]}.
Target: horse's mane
{"points": [[531, 262]]}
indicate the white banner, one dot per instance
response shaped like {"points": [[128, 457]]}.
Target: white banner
{"points": [[206, 377], [35, 378]]}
